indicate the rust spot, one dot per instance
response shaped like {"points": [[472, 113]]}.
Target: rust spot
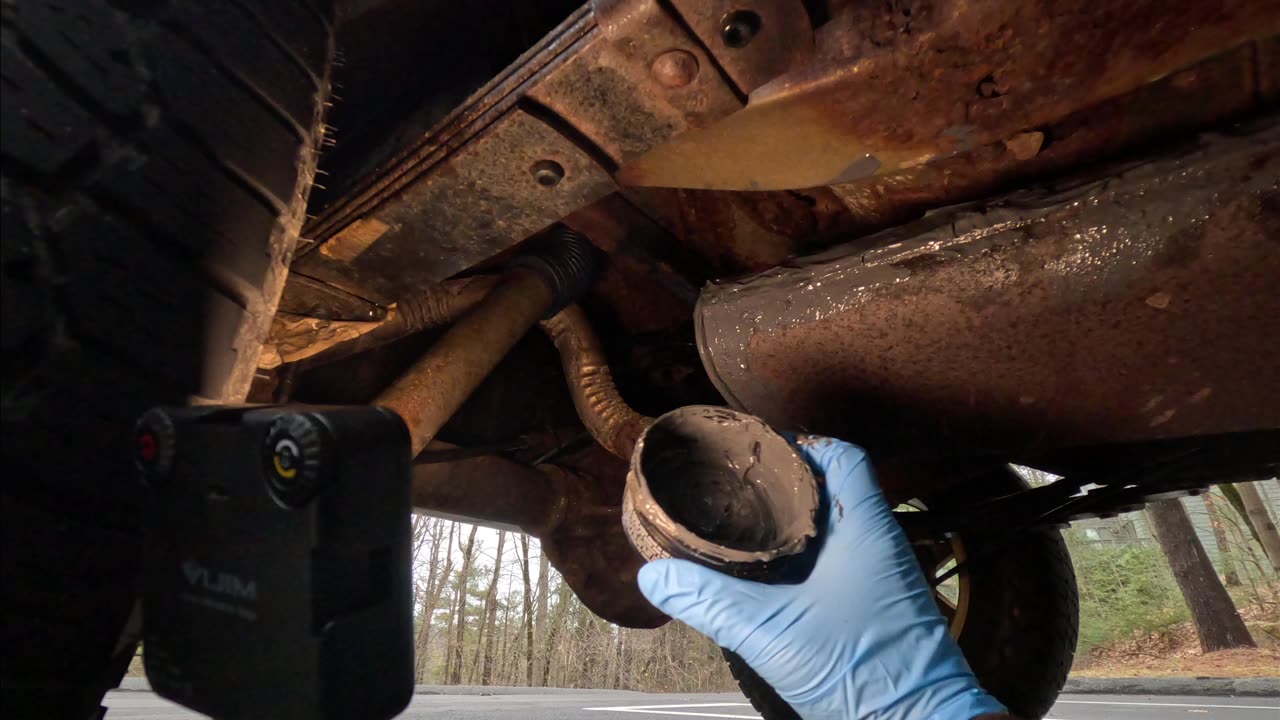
{"points": [[354, 239], [1025, 146]]}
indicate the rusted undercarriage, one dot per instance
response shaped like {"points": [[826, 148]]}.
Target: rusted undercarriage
{"points": [[690, 149]]}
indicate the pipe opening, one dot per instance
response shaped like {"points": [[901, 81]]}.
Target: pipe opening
{"points": [[724, 485]]}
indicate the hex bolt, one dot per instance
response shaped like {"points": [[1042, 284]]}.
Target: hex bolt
{"points": [[739, 27], [547, 173], [675, 68]]}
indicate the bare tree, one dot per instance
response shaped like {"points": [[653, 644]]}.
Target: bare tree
{"points": [[1232, 494], [491, 613], [460, 615], [476, 629], [1261, 522], [557, 620], [437, 579], [540, 612], [1217, 622], [528, 610], [1220, 540]]}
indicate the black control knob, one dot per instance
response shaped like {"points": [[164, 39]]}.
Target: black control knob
{"points": [[296, 459]]}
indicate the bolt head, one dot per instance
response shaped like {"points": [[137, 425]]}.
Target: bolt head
{"points": [[547, 173], [675, 68]]}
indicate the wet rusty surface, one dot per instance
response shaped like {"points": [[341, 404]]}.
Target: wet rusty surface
{"points": [[1136, 306], [897, 85], [754, 41], [1208, 92], [477, 203]]}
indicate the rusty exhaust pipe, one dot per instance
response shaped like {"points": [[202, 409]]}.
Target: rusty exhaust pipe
{"points": [[433, 389], [608, 417], [491, 491], [574, 516]]}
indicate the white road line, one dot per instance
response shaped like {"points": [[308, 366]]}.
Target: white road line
{"points": [[1160, 704], [666, 710]]}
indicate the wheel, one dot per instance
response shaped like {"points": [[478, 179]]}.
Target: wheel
{"points": [[1012, 607], [156, 159]]}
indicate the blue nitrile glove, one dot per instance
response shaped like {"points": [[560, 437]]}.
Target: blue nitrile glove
{"points": [[860, 638]]}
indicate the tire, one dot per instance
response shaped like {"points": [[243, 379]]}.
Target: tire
{"points": [[156, 159], [1023, 616]]}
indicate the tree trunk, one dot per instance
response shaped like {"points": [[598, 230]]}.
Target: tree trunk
{"points": [[504, 644], [1218, 624], [1232, 494], [540, 613], [1220, 539], [553, 632], [442, 584], [486, 665], [528, 611], [460, 624], [431, 597], [1261, 521]]}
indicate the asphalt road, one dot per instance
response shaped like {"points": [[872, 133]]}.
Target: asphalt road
{"points": [[523, 704]]}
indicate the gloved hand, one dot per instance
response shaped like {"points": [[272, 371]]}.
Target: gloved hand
{"points": [[860, 638]]}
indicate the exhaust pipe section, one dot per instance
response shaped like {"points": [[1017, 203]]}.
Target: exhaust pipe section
{"points": [[706, 483], [575, 516], [535, 287], [608, 417]]}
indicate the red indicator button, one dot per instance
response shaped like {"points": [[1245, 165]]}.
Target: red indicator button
{"points": [[147, 447]]}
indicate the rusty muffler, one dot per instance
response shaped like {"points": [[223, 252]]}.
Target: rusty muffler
{"points": [[1136, 305]]}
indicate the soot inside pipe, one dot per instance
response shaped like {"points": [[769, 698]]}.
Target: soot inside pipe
{"points": [[726, 479]]}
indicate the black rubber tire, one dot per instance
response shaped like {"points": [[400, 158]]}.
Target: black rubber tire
{"points": [[1024, 614], [157, 157]]}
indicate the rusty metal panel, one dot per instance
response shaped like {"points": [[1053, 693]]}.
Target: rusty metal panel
{"points": [[531, 147], [896, 85], [1199, 96], [638, 82], [513, 180], [1141, 305], [754, 41], [457, 128]]}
